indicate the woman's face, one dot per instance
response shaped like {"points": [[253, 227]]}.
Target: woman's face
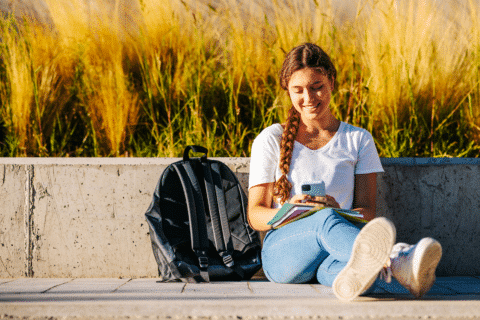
{"points": [[310, 92]]}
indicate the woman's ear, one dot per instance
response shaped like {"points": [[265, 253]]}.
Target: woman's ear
{"points": [[332, 83]]}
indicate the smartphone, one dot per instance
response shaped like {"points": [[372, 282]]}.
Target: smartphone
{"points": [[315, 189]]}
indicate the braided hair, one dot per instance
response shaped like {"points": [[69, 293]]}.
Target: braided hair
{"points": [[306, 55]]}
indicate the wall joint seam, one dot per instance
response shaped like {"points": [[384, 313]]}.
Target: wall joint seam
{"points": [[28, 219]]}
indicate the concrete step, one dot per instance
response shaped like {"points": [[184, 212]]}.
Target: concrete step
{"points": [[113, 298]]}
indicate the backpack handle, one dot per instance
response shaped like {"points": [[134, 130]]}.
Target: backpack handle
{"points": [[195, 149]]}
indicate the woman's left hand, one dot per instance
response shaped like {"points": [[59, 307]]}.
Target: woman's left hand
{"points": [[327, 201]]}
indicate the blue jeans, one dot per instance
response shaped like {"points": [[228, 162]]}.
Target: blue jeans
{"points": [[316, 246]]}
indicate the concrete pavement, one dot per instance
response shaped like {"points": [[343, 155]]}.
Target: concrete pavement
{"points": [[113, 298]]}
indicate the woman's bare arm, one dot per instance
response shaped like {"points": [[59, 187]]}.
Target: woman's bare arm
{"points": [[365, 195], [260, 206]]}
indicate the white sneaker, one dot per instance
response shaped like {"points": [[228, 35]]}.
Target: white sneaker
{"points": [[370, 251], [414, 265]]}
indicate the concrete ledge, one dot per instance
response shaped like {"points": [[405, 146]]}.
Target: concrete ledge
{"points": [[429, 161], [84, 217]]}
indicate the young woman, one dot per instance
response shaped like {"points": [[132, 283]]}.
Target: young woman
{"points": [[311, 146]]}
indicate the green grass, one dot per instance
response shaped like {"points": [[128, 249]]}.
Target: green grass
{"points": [[209, 75]]}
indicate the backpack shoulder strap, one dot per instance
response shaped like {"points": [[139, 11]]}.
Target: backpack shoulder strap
{"points": [[223, 224], [218, 212], [196, 214]]}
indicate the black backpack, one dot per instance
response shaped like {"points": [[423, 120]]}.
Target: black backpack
{"points": [[198, 225]]}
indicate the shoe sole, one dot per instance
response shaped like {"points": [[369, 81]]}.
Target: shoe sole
{"points": [[426, 257], [370, 252]]}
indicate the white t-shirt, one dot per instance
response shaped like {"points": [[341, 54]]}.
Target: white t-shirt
{"points": [[351, 151]]}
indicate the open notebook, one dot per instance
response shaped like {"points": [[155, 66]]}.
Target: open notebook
{"points": [[291, 212]]}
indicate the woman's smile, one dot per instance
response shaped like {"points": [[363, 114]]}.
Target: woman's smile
{"points": [[310, 91]]}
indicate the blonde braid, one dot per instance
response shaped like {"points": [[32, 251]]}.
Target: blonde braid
{"points": [[282, 187]]}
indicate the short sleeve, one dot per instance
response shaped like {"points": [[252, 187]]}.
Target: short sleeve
{"points": [[368, 160], [264, 156]]}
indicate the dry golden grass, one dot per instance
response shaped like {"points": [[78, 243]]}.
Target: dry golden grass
{"points": [[100, 43], [169, 73], [18, 89], [408, 51]]}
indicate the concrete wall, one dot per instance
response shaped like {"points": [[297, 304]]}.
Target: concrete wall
{"points": [[438, 198], [85, 217]]}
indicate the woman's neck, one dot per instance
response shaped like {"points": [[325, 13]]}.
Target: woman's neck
{"points": [[315, 126], [315, 135]]}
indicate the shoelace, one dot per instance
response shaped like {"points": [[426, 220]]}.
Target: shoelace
{"points": [[398, 249]]}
